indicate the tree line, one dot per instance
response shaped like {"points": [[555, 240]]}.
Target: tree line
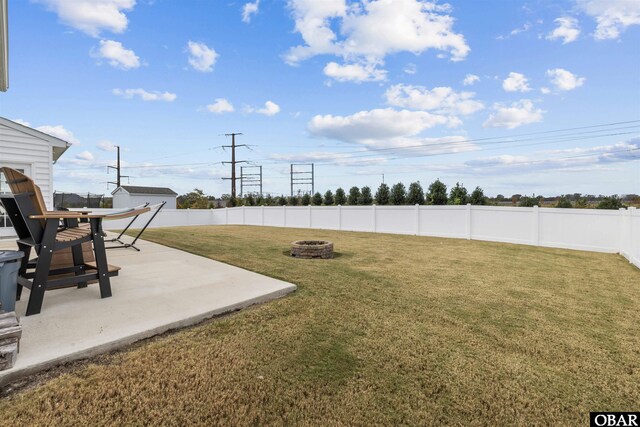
{"points": [[398, 194]]}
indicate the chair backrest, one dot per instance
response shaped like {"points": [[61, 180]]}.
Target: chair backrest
{"points": [[28, 198]]}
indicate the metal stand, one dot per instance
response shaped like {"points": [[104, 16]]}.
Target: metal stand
{"points": [[133, 244]]}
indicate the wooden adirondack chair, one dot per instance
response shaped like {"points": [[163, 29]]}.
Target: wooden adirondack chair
{"points": [[40, 230]]}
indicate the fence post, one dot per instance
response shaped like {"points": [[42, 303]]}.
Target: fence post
{"points": [[536, 226], [417, 209], [262, 215], [468, 221], [226, 215], [212, 215], [243, 220], [375, 222], [284, 215], [339, 217], [310, 222]]}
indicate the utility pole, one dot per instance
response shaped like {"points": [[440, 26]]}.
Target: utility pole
{"points": [[305, 178], [233, 161], [119, 176]]}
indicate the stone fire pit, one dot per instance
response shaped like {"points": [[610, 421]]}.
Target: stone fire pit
{"points": [[312, 249]]}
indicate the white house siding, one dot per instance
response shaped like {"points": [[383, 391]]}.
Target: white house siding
{"points": [[18, 148]]}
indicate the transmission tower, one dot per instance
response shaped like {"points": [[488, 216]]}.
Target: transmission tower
{"points": [[233, 161], [250, 180], [302, 175]]}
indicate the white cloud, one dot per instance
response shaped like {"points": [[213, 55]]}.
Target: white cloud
{"points": [[411, 68], [526, 27], [220, 106], [106, 146], [442, 100], [340, 159], [201, 57], [612, 16], [116, 55], [59, 131], [564, 80], [145, 95], [249, 9], [22, 122], [517, 114], [568, 30], [270, 109], [378, 124], [92, 16], [367, 31], [354, 72], [584, 158], [86, 156], [545, 90], [516, 82], [470, 79]]}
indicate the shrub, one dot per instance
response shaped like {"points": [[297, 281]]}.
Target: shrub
{"points": [[563, 202], [268, 201], [437, 194], [383, 195], [249, 200], [282, 201], [340, 198], [328, 198], [305, 199], [458, 195], [365, 196], [582, 203], [610, 202], [354, 195], [398, 194], [478, 197], [316, 200], [528, 202], [294, 200]]}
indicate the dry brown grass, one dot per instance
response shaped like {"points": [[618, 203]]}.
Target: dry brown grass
{"points": [[396, 330]]}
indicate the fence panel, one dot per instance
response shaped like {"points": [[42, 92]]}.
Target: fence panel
{"points": [[502, 224], [443, 221], [591, 230], [396, 219]]}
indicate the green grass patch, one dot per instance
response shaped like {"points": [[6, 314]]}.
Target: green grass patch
{"points": [[397, 330]]}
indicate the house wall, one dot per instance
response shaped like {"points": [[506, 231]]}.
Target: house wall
{"points": [[18, 148], [122, 199]]}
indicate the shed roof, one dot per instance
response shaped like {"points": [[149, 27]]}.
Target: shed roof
{"points": [[58, 145], [134, 189]]}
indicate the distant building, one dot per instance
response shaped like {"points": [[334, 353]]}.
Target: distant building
{"points": [[31, 152], [128, 196]]}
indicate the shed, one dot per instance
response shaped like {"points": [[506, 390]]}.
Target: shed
{"points": [[31, 152], [127, 196]]}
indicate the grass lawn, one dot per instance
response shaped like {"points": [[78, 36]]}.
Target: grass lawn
{"points": [[397, 330]]}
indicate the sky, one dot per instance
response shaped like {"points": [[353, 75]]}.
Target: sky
{"points": [[513, 96]]}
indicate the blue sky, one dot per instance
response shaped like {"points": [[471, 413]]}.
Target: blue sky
{"points": [[468, 91]]}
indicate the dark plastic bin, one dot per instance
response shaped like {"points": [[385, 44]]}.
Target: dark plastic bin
{"points": [[9, 266]]}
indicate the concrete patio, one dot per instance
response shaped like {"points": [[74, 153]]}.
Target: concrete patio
{"points": [[158, 289]]}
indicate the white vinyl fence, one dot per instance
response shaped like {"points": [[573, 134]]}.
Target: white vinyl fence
{"points": [[582, 229]]}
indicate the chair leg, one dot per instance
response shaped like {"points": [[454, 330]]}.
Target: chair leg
{"points": [[26, 249], [101, 258], [39, 285], [78, 260]]}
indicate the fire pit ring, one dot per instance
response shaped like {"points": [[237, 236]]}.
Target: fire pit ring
{"points": [[308, 249]]}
